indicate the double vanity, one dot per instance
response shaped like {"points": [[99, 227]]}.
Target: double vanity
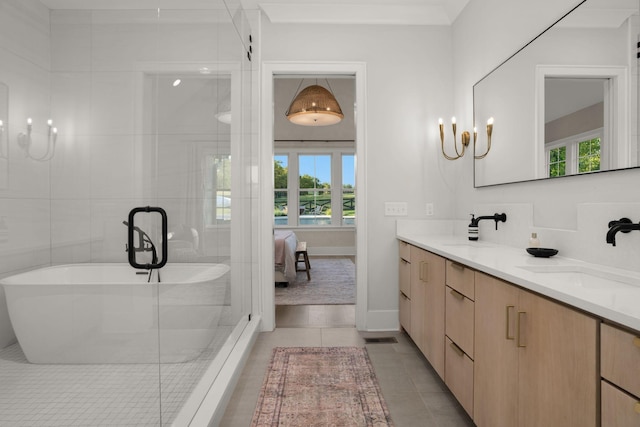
{"points": [[523, 341]]}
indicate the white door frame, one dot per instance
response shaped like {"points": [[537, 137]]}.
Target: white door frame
{"points": [[616, 111], [266, 296]]}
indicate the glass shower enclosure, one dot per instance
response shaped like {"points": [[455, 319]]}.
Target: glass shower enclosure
{"points": [[105, 109]]}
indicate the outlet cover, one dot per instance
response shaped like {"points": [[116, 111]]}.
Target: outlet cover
{"points": [[429, 209]]}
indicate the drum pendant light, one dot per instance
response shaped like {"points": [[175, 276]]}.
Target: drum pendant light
{"points": [[314, 106]]}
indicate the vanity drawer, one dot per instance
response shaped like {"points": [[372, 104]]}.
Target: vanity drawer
{"points": [[405, 313], [620, 358], [461, 278], [405, 277], [405, 252], [459, 314], [619, 409], [458, 375]]}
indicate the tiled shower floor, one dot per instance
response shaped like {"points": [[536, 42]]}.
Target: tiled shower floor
{"points": [[97, 395]]}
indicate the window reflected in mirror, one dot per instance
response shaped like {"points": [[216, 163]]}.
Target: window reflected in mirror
{"points": [[575, 125]]}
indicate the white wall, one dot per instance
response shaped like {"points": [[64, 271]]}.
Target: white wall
{"points": [[485, 34], [423, 73], [408, 75]]}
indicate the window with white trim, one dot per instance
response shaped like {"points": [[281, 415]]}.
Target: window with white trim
{"points": [[583, 153], [217, 189], [318, 183]]}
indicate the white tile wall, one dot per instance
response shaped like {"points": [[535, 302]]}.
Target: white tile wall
{"points": [[586, 243], [24, 30], [71, 105], [112, 103], [71, 36]]}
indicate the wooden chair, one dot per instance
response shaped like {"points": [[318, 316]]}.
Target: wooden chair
{"points": [[301, 250]]}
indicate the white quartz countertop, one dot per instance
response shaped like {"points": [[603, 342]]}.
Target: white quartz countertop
{"points": [[609, 293]]}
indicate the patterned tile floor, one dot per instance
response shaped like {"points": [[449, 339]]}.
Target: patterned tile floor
{"points": [[414, 393], [96, 395]]}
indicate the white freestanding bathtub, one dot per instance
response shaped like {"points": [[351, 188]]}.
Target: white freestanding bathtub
{"points": [[106, 313]]}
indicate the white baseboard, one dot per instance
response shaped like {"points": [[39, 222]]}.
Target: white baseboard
{"points": [[332, 251], [383, 320]]}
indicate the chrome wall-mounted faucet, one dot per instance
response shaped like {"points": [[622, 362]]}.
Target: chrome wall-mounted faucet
{"points": [[623, 225]]}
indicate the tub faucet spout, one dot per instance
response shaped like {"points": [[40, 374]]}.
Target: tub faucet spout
{"points": [[145, 245]]}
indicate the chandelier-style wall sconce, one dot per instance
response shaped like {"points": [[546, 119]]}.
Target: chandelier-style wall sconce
{"points": [[24, 141], [465, 138], [314, 106]]}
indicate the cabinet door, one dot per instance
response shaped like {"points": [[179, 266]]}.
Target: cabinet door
{"points": [[434, 307], [405, 313], [496, 356], [404, 272], [620, 358], [417, 292], [461, 278], [619, 409], [459, 371], [459, 320], [557, 364]]}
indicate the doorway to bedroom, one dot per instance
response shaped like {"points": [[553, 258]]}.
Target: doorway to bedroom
{"points": [[314, 210]]}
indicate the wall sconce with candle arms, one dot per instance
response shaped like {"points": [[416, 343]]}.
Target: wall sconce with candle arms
{"points": [[24, 141], [464, 140]]}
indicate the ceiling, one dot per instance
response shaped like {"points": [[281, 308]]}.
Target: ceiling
{"points": [[401, 12], [386, 12]]}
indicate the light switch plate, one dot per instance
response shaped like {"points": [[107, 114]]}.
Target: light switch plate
{"points": [[395, 209]]}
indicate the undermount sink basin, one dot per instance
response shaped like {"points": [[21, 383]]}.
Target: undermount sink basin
{"points": [[468, 245], [584, 277]]}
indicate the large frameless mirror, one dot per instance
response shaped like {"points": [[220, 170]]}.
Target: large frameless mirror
{"points": [[566, 103]]}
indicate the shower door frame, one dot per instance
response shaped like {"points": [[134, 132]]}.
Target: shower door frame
{"points": [[208, 389]]}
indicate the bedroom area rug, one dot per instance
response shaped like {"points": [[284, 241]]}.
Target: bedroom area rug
{"points": [[320, 386], [333, 281]]}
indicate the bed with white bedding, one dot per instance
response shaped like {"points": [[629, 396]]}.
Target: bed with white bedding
{"points": [[285, 242]]}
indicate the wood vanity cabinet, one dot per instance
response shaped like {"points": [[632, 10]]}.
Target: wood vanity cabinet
{"points": [[620, 371], [535, 360], [427, 305]]}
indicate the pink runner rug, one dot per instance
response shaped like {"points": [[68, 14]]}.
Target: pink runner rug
{"points": [[320, 386]]}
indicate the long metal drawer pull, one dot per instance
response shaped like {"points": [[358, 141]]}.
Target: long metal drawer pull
{"points": [[425, 274], [457, 266], [456, 348], [507, 336], [456, 294], [636, 341], [519, 341]]}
